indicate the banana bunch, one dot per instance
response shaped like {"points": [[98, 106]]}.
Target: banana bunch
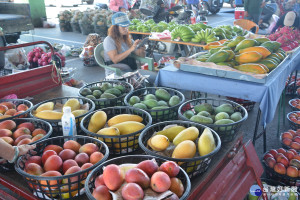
{"points": [[143, 28], [205, 36], [184, 33], [157, 28], [220, 33]]}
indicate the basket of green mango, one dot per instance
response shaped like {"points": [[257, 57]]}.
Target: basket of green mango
{"points": [[223, 116], [162, 103], [106, 93]]}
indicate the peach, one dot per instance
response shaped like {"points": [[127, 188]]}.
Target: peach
{"points": [[96, 157], [292, 171], [287, 141], [21, 131], [132, 191], [297, 139], [8, 124], [282, 159], [37, 137], [9, 105], [10, 112], [67, 154], [47, 154], [88, 148], [138, 176], [279, 155], [28, 125], [280, 168], [9, 140], [22, 107], [102, 193], [292, 132], [297, 157], [34, 159], [294, 151], [53, 147], [73, 179], [73, 145], [21, 138], [45, 183], [148, 166], [83, 167], [281, 150], [20, 112], [82, 158], [3, 109], [68, 164], [267, 155], [34, 169], [273, 152], [290, 155], [112, 177], [170, 167], [99, 181], [287, 135], [5, 133], [176, 186], [160, 182], [295, 145], [38, 131], [24, 141], [53, 163]]}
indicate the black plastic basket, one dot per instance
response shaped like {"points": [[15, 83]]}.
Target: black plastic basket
{"points": [[101, 30], [86, 28], [135, 159], [248, 105], [75, 27], [18, 102], [193, 166], [293, 125], [290, 181], [227, 132], [56, 124], [52, 187], [104, 103], [161, 114], [38, 124], [65, 26], [293, 107], [121, 144]]}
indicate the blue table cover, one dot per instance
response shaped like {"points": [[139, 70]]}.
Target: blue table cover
{"points": [[267, 94]]}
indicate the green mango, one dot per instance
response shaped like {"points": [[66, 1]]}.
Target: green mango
{"points": [[162, 94], [201, 119]]}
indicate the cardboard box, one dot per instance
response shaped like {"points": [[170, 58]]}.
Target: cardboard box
{"points": [[239, 13]]}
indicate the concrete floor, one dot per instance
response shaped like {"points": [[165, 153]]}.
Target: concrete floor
{"points": [[96, 73]]}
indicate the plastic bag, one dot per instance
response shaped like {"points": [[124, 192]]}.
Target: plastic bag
{"points": [[65, 50], [272, 23], [16, 59]]}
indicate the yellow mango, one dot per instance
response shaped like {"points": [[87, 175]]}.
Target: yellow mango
{"points": [[158, 142], [190, 133], [129, 127], [124, 118], [109, 131], [45, 106], [77, 113], [97, 121], [185, 149], [49, 114], [206, 142], [171, 132], [73, 104]]}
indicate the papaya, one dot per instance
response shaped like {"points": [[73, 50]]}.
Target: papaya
{"points": [[269, 63], [214, 43], [265, 67], [274, 59], [234, 42], [224, 63], [231, 55], [251, 67], [244, 44], [248, 57], [212, 51], [262, 50], [220, 56], [223, 41], [280, 55], [262, 40], [272, 46], [214, 46]]}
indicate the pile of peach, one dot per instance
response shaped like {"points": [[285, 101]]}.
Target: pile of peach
{"points": [[9, 109], [285, 162], [294, 117], [291, 139], [58, 161], [295, 103], [24, 133], [136, 181]]}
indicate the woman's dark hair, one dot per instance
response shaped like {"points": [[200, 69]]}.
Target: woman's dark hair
{"points": [[114, 32]]}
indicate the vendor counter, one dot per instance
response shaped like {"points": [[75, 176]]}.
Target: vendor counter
{"points": [[230, 174]]}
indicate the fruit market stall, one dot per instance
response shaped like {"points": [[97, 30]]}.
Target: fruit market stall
{"points": [[231, 155]]}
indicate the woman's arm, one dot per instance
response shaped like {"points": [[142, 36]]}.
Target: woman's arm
{"points": [[116, 58], [140, 52], [7, 151]]}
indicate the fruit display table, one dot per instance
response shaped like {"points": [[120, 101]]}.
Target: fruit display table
{"points": [[232, 156]]}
